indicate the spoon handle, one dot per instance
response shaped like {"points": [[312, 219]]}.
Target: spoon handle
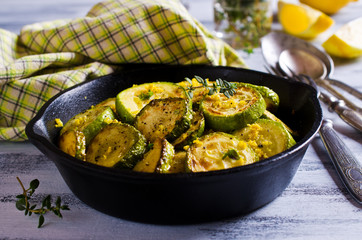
{"points": [[337, 94], [346, 87], [348, 167], [348, 115]]}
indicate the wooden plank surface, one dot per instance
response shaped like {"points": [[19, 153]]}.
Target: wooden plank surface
{"points": [[314, 206]]}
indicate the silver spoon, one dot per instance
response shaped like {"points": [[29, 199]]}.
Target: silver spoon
{"points": [[274, 43], [303, 62], [304, 66]]}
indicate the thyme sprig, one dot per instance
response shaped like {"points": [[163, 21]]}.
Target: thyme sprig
{"points": [[23, 203], [220, 85]]}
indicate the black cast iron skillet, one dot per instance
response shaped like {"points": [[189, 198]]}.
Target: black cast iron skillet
{"points": [[177, 198]]}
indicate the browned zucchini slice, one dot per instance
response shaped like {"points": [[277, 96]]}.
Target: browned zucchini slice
{"points": [[73, 143], [217, 151], [228, 114], [158, 159], [164, 118], [130, 101], [90, 122], [117, 145]]}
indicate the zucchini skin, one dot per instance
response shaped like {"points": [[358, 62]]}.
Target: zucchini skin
{"points": [[73, 143], [158, 113], [90, 121], [150, 159], [196, 130], [271, 98], [230, 122], [166, 159], [130, 101], [159, 159], [117, 145], [101, 121]]}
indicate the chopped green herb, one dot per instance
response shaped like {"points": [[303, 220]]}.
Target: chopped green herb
{"points": [[145, 95], [232, 154]]}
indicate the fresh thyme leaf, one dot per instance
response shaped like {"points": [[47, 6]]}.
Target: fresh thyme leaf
{"points": [[64, 207], [41, 221], [20, 205], [20, 196], [34, 184], [188, 80], [220, 85], [200, 80], [232, 154], [58, 202], [211, 91], [23, 204], [189, 94]]}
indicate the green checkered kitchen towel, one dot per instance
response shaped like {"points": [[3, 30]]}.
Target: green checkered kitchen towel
{"points": [[48, 57]]}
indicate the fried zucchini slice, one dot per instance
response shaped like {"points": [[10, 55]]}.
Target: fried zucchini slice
{"points": [[90, 122], [196, 130], [159, 159], [72, 142], [271, 98], [228, 114], [266, 137], [271, 116], [130, 101], [179, 162], [111, 102], [217, 151], [118, 145], [164, 118]]}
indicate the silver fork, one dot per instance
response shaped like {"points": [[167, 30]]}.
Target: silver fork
{"points": [[347, 114], [348, 167]]}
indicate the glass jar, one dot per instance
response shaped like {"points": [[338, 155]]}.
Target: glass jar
{"points": [[242, 23]]}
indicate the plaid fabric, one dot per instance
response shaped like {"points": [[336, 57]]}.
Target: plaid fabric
{"points": [[51, 56]]}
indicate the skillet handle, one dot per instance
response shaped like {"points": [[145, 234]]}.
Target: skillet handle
{"points": [[348, 167]]}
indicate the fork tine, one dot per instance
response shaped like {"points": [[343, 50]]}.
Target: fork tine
{"points": [[310, 80], [268, 69], [303, 78], [280, 72], [298, 77], [273, 70]]}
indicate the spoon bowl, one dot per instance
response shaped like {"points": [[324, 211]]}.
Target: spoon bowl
{"points": [[290, 53], [274, 43], [302, 62]]}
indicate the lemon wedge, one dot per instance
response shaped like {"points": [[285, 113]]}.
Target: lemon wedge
{"points": [[302, 21], [327, 6], [346, 41]]}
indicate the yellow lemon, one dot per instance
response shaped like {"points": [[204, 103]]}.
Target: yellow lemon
{"points": [[327, 6], [346, 41], [302, 21]]}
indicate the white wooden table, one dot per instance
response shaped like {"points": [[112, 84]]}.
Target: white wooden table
{"points": [[314, 206]]}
